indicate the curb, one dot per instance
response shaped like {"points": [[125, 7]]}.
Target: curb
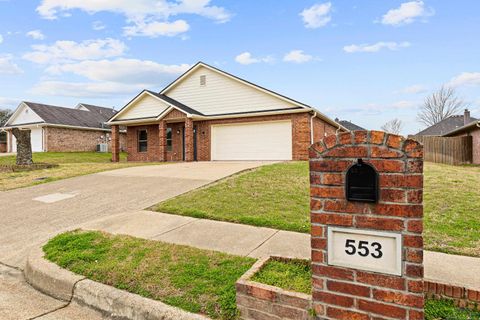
{"points": [[62, 284]]}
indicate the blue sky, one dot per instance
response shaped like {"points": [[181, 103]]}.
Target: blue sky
{"points": [[367, 61]]}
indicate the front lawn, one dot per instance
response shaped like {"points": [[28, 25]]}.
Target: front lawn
{"points": [[195, 280], [71, 164], [277, 196]]}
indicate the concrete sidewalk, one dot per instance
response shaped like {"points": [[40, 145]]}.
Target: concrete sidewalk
{"points": [[257, 242]]}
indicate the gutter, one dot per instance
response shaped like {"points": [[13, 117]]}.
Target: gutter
{"points": [[311, 126]]}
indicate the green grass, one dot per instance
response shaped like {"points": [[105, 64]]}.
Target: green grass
{"points": [[70, 164], [277, 196], [446, 310], [66, 157], [196, 280], [294, 275]]}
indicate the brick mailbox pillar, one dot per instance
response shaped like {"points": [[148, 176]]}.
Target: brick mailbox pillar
{"points": [[367, 222]]}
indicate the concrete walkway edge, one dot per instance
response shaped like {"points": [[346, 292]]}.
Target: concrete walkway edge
{"points": [[62, 284]]}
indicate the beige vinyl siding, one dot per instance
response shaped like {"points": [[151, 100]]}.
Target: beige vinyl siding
{"points": [[145, 107], [221, 94]]}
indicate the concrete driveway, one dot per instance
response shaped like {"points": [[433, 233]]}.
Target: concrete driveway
{"points": [[30, 216]]}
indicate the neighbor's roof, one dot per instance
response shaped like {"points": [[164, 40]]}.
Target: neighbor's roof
{"points": [[475, 125], [95, 118], [349, 125], [445, 126]]}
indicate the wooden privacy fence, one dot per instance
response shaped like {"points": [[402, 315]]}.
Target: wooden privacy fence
{"points": [[449, 150]]}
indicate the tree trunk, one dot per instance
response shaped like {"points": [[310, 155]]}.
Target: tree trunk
{"points": [[24, 146]]}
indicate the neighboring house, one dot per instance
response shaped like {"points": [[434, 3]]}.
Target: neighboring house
{"points": [[208, 114], [349, 125], [61, 129], [472, 128], [447, 125]]}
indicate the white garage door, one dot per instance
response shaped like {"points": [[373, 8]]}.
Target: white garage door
{"points": [[36, 138], [252, 141]]}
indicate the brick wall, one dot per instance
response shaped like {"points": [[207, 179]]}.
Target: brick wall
{"points": [[463, 297], [3, 147], [257, 301], [347, 293], [152, 153], [300, 135], [69, 140]]}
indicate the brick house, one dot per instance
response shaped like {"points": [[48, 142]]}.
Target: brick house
{"points": [[208, 114], [60, 129], [472, 128]]}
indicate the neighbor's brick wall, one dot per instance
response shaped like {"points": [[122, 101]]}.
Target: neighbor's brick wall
{"points": [[257, 301], [344, 293], [321, 129], [3, 147], [69, 140]]}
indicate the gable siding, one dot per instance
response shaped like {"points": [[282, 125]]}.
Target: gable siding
{"points": [[26, 115], [222, 95], [147, 106]]}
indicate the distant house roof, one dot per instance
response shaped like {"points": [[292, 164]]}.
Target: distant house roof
{"points": [[94, 117], [349, 125], [445, 126], [474, 125]]}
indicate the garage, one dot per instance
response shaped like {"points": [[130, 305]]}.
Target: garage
{"points": [[252, 141], [36, 139]]}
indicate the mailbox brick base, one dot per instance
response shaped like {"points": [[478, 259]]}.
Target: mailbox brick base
{"points": [[349, 293]]}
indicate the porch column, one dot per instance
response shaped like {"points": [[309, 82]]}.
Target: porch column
{"points": [[188, 139], [10, 140], [115, 144], [162, 141]]}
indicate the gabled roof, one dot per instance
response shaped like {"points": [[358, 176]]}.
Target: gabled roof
{"points": [[102, 111], [177, 104], [55, 115], [445, 126], [167, 100], [349, 125]]}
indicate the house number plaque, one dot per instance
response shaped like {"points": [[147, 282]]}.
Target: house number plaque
{"points": [[366, 250]]}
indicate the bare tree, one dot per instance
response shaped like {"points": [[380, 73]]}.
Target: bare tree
{"points": [[440, 105], [393, 126]]}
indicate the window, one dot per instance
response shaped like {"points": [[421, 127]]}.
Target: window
{"points": [[203, 80], [142, 141], [169, 139]]}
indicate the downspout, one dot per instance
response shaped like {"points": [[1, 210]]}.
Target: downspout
{"points": [[311, 126]]}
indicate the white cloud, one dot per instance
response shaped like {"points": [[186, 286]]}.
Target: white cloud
{"points": [[155, 29], [317, 15], [466, 79], [36, 34], [414, 89], [108, 78], [66, 51], [297, 56], [247, 58], [8, 102], [375, 47], [132, 71], [98, 25], [84, 89], [407, 13], [7, 66], [145, 17], [405, 104]]}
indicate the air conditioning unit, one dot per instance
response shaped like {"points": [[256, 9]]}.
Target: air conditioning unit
{"points": [[102, 147]]}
